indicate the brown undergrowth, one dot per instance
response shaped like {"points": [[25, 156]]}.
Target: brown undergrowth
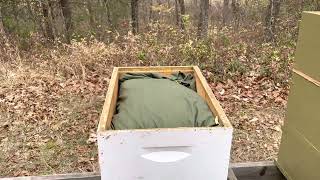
{"points": [[51, 95]]}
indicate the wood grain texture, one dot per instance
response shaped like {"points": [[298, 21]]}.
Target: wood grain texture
{"points": [[200, 89], [164, 70], [212, 101], [156, 69], [110, 102]]}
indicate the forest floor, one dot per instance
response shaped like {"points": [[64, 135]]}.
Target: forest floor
{"points": [[51, 99], [257, 127]]}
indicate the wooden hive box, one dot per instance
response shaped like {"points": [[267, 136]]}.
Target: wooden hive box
{"points": [[299, 154], [164, 154]]}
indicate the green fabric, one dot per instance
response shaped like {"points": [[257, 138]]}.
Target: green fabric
{"points": [[154, 101]]}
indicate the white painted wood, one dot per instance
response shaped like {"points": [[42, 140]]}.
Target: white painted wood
{"points": [[164, 154], [199, 154]]}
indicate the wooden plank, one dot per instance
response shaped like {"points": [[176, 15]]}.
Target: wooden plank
{"points": [[112, 93], [298, 158], [265, 170], [212, 100], [134, 141], [308, 78], [257, 171], [308, 45], [202, 87], [110, 102], [156, 69], [299, 153], [164, 70], [200, 90], [231, 175], [71, 176], [141, 152], [303, 112]]}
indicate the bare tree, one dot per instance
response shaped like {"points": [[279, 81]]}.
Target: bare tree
{"points": [[272, 15], [2, 31], [150, 10], [47, 20], [182, 13], [225, 12], [92, 20], [51, 4], [107, 7], [66, 12], [176, 10], [134, 16], [318, 5], [31, 8], [203, 19], [235, 5]]}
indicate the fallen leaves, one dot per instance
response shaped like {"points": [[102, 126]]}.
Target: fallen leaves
{"points": [[257, 133], [92, 138], [255, 108], [51, 100], [251, 90], [43, 118]]}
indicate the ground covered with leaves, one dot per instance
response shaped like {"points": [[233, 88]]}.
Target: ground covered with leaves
{"points": [[51, 96]]}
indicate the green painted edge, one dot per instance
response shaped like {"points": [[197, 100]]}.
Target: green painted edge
{"points": [[283, 171]]}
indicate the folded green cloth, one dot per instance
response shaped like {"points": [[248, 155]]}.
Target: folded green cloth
{"points": [[151, 100]]}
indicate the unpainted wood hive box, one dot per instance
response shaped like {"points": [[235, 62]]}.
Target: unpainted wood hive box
{"points": [[164, 153]]}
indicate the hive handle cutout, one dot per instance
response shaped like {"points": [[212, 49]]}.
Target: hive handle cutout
{"points": [[166, 156]]}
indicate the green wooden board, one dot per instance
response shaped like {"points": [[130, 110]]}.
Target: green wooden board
{"points": [[298, 160], [303, 112], [308, 48], [299, 155]]}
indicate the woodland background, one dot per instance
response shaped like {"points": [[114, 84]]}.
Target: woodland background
{"points": [[56, 58]]}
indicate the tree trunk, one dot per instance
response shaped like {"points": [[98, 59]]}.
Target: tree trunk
{"points": [[317, 5], [272, 15], [225, 12], [203, 19], [235, 12], [300, 9], [92, 19], [35, 18], [134, 16], [47, 20], [2, 30], [177, 14], [107, 6], [53, 16], [66, 12], [150, 11], [182, 13]]}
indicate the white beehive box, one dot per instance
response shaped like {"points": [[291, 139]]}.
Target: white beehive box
{"points": [[164, 154]]}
